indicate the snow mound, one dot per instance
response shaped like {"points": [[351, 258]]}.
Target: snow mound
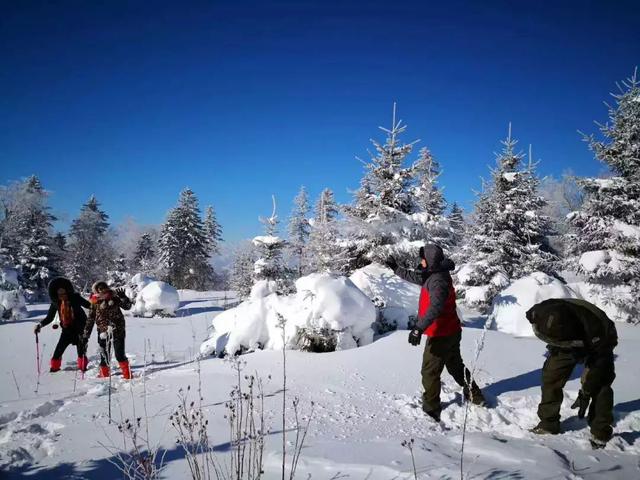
{"points": [[603, 261], [396, 298], [510, 305], [12, 302], [136, 284], [12, 305], [326, 308], [156, 298]]}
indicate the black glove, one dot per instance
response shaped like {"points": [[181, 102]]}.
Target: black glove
{"points": [[391, 263], [581, 403], [37, 328], [414, 337], [120, 293]]}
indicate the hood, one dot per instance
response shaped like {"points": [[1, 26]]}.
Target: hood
{"points": [[57, 283], [101, 283], [436, 262]]}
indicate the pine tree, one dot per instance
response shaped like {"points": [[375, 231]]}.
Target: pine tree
{"points": [[270, 265], [607, 227], [378, 216], [118, 274], [429, 222], [242, 270], [457, 223], [507, 238], [145, 255], [183, 245], [299, 230], [212, 231], [26, 232], [89, 246], [35, 255], [324, 252]]}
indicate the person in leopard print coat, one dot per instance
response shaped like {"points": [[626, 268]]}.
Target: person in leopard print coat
{"points": [[106, 305]]}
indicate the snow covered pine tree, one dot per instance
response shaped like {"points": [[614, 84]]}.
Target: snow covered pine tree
{"points": [[26, 235], [324, 252], [183, 246], [299, 231], [270, 265], [605, 245], [507, 238], [90, 250]]}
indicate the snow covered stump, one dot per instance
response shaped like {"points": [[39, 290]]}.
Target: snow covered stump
{"points": [[327, 312]]}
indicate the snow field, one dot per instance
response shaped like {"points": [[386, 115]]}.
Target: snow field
{"points": [[367, 401]]}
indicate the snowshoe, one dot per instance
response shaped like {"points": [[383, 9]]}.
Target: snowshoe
{"points": [[597, 444]]}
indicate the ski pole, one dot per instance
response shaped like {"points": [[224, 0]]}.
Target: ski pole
{"points": [[109, 336], [38, 355]]}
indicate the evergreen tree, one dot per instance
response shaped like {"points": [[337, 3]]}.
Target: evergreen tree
{"points": [[457, 223], [243, 270], [89, 246], [605, 245], [35, 255], [299, 230], [270, 265], [507, 238], [118, 274], [212, 231], [27, 241], [429, 222], [324, 252], [183, 245], [145, 255], [378, 217]]}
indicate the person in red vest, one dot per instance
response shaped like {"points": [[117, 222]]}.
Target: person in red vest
{"points": [[438, 319]]}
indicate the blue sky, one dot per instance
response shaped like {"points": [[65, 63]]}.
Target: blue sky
{"points": [[132, 101]]}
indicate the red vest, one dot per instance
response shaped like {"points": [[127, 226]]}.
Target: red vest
{"points": [[448, 322]]}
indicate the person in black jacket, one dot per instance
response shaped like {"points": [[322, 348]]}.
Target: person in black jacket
{"points": [[68, 305], [576, 331], [438, 319]]}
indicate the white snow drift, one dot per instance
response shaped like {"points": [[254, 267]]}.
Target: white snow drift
{"points": [[397, 298], [322, 303], [152, 297], [511, 304]]}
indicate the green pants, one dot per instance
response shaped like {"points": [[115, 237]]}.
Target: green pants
{"points": [[599, 374], [441, 352]]}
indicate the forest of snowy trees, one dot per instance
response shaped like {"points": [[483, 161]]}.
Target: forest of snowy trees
{"points": [[521, 223]]}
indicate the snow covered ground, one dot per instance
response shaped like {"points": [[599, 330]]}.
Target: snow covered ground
{"points": [[366, 405]]}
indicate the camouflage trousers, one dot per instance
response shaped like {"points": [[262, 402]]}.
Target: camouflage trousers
{"points": [[556, 372]]}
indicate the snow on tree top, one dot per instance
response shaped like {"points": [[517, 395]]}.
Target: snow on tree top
{"points": [[266, 240], [510, 176]]}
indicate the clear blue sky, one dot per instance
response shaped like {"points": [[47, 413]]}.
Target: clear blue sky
{"points": [[132, 101]]}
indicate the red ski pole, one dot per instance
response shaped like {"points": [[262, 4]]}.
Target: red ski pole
{"points": [[38, 355]]}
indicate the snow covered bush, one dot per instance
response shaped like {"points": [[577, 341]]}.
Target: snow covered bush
{"points": [[327, 312], [510, 305], [151, 297], [12, 303], [396, 299]]}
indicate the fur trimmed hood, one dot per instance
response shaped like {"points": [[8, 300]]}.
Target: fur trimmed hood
{"points": [[57, 283]]}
